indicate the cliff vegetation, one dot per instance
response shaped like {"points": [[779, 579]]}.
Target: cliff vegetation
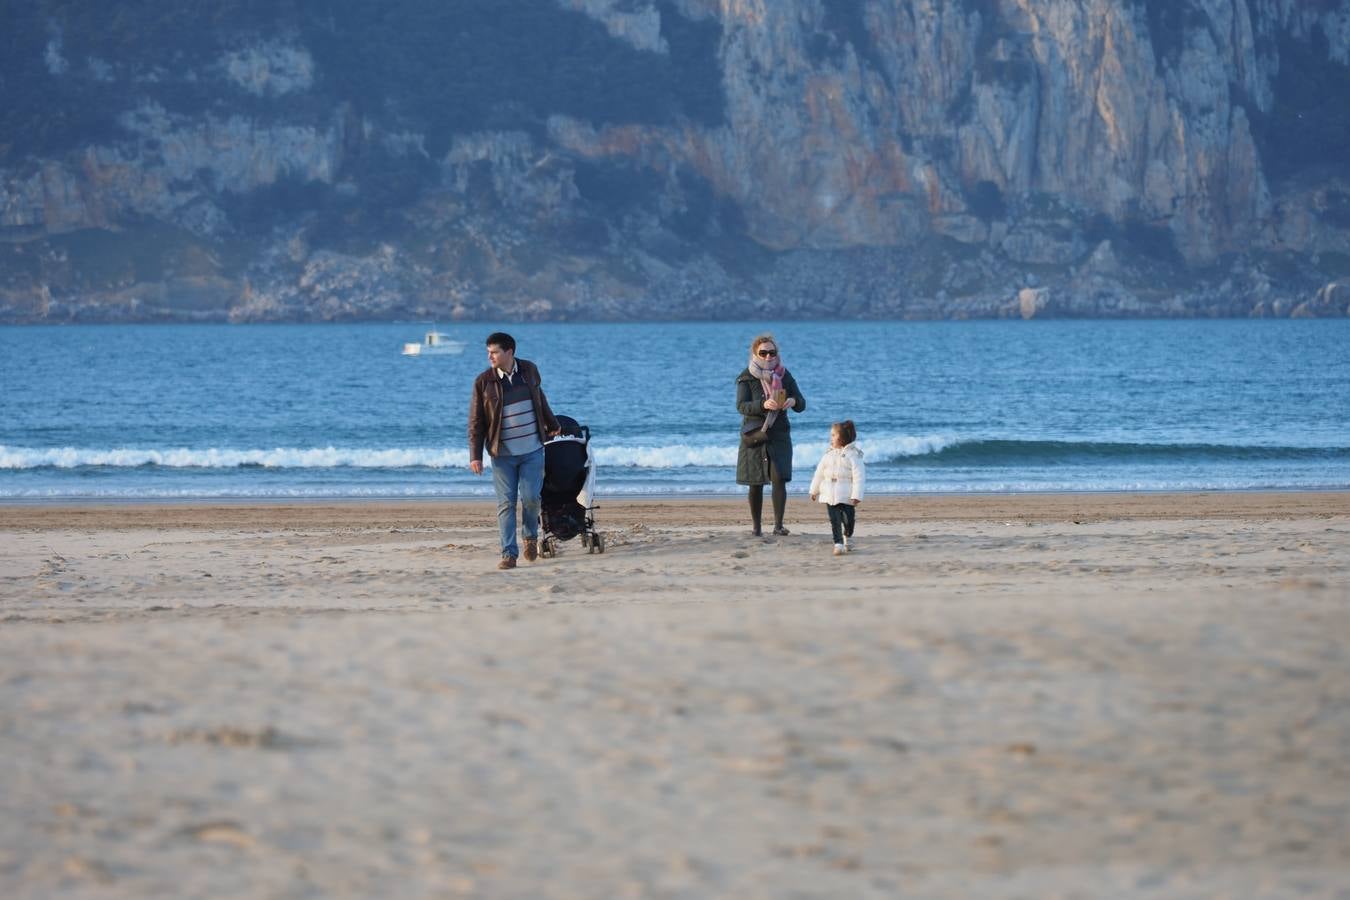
{"points": [[242, 160]]}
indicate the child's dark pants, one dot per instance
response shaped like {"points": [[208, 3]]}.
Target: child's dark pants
{"points": [[841, 520]]}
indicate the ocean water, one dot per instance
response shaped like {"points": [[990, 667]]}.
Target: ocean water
{"points": [[334, 411]]}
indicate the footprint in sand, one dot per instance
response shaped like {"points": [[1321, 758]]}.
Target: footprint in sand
{"points": [[88, 869], [221, 833], [52, 565]]}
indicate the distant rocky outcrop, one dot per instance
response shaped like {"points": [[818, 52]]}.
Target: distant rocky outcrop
{"points": [[650, 159]]}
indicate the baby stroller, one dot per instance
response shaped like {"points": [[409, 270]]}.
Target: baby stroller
{"points": [[569, 485]]}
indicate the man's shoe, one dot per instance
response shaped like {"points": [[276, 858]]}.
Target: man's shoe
{"points": [[508, 562], [531, 549]]}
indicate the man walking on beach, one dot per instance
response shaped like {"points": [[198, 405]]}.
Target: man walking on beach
{"points": [[509, 413]]}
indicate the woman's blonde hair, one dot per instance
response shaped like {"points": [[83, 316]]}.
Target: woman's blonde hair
{"points": [[765, 338]]}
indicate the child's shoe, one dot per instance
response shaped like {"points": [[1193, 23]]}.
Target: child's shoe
{"points": [[838, 549], [849, 546]]}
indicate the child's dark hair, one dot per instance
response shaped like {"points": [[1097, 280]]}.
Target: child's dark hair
{"points": [[847, 432], [502, 340]]}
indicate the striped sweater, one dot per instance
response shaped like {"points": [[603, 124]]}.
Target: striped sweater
{"points": [[520, 427]]}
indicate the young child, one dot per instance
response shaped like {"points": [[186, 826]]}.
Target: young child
{"points": [[838, 483]]}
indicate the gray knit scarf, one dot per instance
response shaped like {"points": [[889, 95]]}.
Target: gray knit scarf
{"points": [[771, 378]]}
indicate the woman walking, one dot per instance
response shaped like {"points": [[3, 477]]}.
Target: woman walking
{"points": [[765, 391]]}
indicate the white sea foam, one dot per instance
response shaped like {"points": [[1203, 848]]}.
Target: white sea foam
{"points": [[804, 453], [660, 456], [253, 492], [672, 456], [226, 458], [879, 449]]}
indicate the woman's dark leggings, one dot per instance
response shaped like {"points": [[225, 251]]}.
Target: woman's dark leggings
{"points": [[779, 499], [841, 520]]}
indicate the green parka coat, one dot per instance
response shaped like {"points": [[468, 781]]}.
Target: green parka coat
{"points": [[752, 463]]}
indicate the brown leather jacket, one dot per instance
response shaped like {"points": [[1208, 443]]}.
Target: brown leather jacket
{"points": [[485, 410]]}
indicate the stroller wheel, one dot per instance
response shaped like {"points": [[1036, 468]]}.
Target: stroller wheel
{"points": [[599, 542], [585, 539], [548, 548]]}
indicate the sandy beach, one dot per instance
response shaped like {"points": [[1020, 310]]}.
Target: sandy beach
{"points": [[1073, 695]]}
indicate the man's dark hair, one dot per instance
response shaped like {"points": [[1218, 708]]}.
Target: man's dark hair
{"points": [[502, 340]]}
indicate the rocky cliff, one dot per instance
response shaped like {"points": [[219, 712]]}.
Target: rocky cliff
{"points": [[675, 158]]}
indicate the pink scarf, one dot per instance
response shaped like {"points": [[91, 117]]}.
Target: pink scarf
{"points": [[771, 379]]}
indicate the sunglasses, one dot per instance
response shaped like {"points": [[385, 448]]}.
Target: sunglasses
{"points": [[767, 354]]}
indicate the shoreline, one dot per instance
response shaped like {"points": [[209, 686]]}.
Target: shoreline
{"points": [[632, 496], [675, 510]]}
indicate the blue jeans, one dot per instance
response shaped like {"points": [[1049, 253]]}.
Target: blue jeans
{"points": [[518, 477]]}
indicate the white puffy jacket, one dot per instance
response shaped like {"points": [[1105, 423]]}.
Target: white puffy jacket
{"points": [[840, 475]]}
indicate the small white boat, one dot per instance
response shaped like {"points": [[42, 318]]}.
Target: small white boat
{"points": [[434, 343]]}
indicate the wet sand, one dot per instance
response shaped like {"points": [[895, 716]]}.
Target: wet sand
{"points": [[1076, 695]]}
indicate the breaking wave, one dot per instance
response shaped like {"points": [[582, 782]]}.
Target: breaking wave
{"points": [[1038, 453], [927, 451]]}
